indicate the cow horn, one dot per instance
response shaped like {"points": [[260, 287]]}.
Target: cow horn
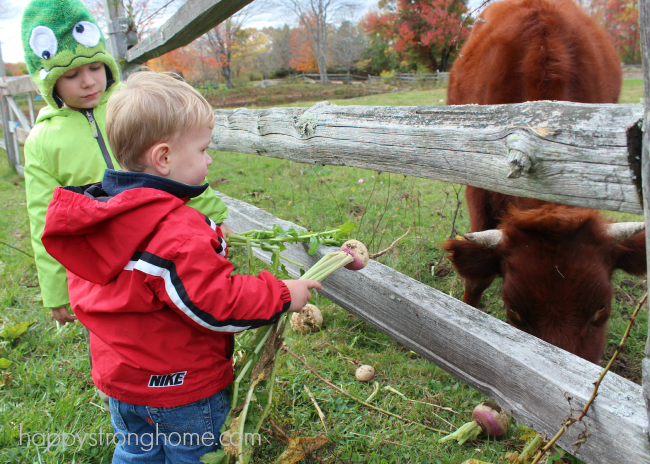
{"points": [[620, 231], [489, 238]]}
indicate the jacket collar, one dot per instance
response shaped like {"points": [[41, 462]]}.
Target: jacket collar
{"points": [[116, 182]]}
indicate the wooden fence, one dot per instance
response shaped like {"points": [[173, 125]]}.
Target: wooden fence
{"points": [[586, 155], [525, 375], [439, 78], [15, 124]]}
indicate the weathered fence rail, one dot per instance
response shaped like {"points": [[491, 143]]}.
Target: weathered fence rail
{"points": [[15, 124], [439, 78], [191, 21], [571, 153], [525, 375]]}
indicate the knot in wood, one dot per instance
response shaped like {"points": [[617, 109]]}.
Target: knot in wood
{"points": [[520, 156], [306, 123], [520, 163]]}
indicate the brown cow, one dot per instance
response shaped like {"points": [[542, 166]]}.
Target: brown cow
{"points": [[556, 261]]}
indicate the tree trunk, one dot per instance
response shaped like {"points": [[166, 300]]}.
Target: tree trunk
{"points": [[322, 68], [444, 59], [226, 72], [434, 62]]}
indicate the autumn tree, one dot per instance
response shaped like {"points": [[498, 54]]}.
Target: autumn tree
{"points": [[621, 20], [303, 55], [423, 30], [348, 43], [315, 18], [280, 54]]}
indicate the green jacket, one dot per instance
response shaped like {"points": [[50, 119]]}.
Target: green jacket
{"points": [[61, 151]]}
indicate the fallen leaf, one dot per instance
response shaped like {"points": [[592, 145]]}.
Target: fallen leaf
{"points": [[299, 447], [13, 332], [4, 363]]}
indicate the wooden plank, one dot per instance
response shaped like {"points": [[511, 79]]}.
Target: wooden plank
{"points": [[191, 21], [524, 374], [21, 134], [24, 122], [579, 152], [17, 85], [644, 24]]}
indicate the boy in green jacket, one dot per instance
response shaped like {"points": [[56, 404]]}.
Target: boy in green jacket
{"points": [[66, 58]]}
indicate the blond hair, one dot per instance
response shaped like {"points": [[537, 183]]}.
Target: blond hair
{"points": [[152, 108]]}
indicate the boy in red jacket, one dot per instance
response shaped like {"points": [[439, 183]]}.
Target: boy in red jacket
{"points": [[148, 276]]}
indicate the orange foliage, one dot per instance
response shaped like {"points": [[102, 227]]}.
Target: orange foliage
{"points": [[303, 57], [189, 61]]}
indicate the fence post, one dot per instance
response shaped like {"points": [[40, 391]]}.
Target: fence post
{"points": [[121, 34], [2, 63], [644, 23], [30, 102]]}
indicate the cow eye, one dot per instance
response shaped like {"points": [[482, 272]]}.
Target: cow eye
{"points": [[43, 42], [86, 33]]}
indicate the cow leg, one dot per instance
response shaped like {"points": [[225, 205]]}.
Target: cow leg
{"points": [[481, 207], [474, 289]]}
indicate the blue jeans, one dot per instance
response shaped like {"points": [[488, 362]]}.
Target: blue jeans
{"points": [[181, 434]]}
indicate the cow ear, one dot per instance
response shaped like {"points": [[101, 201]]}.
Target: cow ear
{"points": [[473, 261], [630, 255]]}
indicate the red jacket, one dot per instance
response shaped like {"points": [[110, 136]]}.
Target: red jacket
{"points": [[149, 278]]}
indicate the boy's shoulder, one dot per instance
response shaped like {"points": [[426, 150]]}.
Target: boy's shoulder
{"points": [[182, 224]]}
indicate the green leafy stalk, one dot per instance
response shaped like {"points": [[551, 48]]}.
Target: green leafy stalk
{"points": [[327, 264], [469, 431], [248, 365], [275, 241]]}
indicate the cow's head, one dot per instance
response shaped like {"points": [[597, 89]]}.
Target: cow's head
{"points": [[556, 263]]}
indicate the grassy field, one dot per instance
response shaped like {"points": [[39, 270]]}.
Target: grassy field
{"points": [[47, 387]]}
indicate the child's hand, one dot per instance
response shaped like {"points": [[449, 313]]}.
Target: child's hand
{"points": [[62, 315], [225, 230], [300, 294]]}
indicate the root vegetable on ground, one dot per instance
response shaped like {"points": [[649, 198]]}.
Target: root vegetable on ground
{"points": [[308, 320], [488, 418]]}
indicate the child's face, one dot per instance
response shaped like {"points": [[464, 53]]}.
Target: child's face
{"points": [[82, 87], [188, 160]]}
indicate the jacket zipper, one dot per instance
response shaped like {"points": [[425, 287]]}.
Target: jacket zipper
{"points": [[98, 136]]}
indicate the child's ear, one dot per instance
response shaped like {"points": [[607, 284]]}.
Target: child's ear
{"points": [[159, 158]]}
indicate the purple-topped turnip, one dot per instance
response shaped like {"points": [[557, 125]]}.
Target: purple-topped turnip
{"points": [[359, 253], [487, 418]]}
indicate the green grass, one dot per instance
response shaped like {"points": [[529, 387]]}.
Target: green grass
{"points": [[631, 91], [48, 388]]}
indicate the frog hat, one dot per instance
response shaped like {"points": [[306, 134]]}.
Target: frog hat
{"points": [[60, 35]]}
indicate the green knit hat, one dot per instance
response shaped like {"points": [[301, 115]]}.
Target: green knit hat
{"points": [[60, 35]]}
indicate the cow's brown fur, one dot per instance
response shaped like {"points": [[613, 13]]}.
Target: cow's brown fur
{"points": [[556, 261]]}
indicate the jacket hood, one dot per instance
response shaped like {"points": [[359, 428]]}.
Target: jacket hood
{"points": [[60, 35], [106, 223]]}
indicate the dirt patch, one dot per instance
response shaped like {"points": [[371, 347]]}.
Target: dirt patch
{"points": [[283, 94]]}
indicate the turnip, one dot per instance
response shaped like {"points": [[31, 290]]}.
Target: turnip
{"points": [[353, 255], [308, 320], [365, 373], [488, 418], [358, 251]]}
